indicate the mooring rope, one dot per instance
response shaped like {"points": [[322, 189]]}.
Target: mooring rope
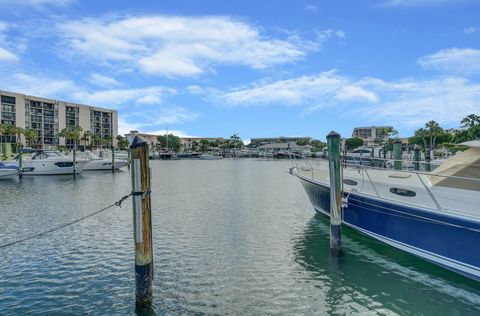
{"points": [[117, 203]]}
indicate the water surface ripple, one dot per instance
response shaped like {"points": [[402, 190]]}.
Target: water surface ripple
{"points": [[230, 237]]}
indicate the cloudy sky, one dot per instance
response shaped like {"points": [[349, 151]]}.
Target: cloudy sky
{"points": [[257, 68]]}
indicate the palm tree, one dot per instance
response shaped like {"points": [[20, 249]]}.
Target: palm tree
{"points": [[87, 136], [433, 129], [470, 121], [30, 136]]}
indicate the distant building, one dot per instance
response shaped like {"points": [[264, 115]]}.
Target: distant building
{"points": [[48, 117], [189, 143], [372, 135], [151, 138], [255, 142]]}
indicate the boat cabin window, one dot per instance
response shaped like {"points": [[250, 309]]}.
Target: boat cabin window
{"points": [[350, 182], [403, 192]]}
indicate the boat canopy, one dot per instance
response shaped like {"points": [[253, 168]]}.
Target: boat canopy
{"points": [[465, 164]]}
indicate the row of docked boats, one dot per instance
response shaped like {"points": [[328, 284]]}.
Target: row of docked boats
{"points": [[434, 215], [43, 162]]}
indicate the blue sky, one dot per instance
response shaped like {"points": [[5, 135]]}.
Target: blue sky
{"points": [[256, 68]]}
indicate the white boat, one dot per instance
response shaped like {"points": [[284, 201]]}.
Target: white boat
{"points": [[209, 157], [50, 163], [99, 163], [435, 216], [8, 170]]}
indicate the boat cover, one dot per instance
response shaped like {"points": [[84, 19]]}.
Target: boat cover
{"points": [[465, 164]]}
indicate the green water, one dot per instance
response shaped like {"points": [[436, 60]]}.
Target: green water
{"points": [[230, 237]]}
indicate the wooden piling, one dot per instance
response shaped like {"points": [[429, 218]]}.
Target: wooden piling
{"points": [[20, 164], [397, 155], [142, 220], [428, 160], [113, 159], [74, 164], [333, 143], [416, 158]]}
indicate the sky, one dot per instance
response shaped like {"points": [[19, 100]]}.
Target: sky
{"points": [[212, 68]]}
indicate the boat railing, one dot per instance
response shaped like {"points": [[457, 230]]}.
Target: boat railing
{"points": [[301, 164]]}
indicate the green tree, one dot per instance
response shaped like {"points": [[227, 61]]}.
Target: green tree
{"points": [[354, 142], [86, 138], [122, 142], [173, 142], [235, 141], [30, 136], [302, 142], [317, 145], [73, 134], [470, 121]]}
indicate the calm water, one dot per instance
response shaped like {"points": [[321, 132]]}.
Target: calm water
{"points": [[230, 237]]}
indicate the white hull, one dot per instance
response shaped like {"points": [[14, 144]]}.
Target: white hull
{"points": [[104, 164], [52, 167], [8, 174]]}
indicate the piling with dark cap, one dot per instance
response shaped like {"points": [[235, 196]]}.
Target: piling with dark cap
{"points": [[113, 159], [20, 164], [416, 158], [397, 155], [74, 164], [142, 220], [428, 160], [333, 143]]}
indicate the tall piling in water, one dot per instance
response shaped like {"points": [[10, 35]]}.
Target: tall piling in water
{"points": [[416, 158], [74, 164], [113, 159], [397, 155], [142, 220], [428, 159], [333, 143], [20, 164]]}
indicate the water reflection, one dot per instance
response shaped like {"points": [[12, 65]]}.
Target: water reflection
{"points": [[381, 277]]}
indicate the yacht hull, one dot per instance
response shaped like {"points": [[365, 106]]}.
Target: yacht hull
{"points": [[444, 239], [103, 164], [8, 174], [51, 167]]}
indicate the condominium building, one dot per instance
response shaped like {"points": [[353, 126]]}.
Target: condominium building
{"points": [[48, 117], [372, 135]]}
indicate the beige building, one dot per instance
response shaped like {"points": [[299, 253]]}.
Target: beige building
{"points": [[151, 138], [47, 117], [372, 135]]}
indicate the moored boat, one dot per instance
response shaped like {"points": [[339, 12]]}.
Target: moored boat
{"points": [[8, 170], [435, 216], [99, 163], [50, 163]]}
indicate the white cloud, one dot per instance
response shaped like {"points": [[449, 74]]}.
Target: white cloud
{"points": [[353, 93], [176, 46], [471, 30], [311, 8], [194, 89], [67, 90], [125, 127], [417, 3], [413, 102], [170, 131], [324, 88], [103, 81], [176, 115], [406, 102], [453, 60], [5, 55], [39, 3]]}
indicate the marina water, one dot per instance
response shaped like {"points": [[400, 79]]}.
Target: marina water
{"points": [[230, 237]]}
